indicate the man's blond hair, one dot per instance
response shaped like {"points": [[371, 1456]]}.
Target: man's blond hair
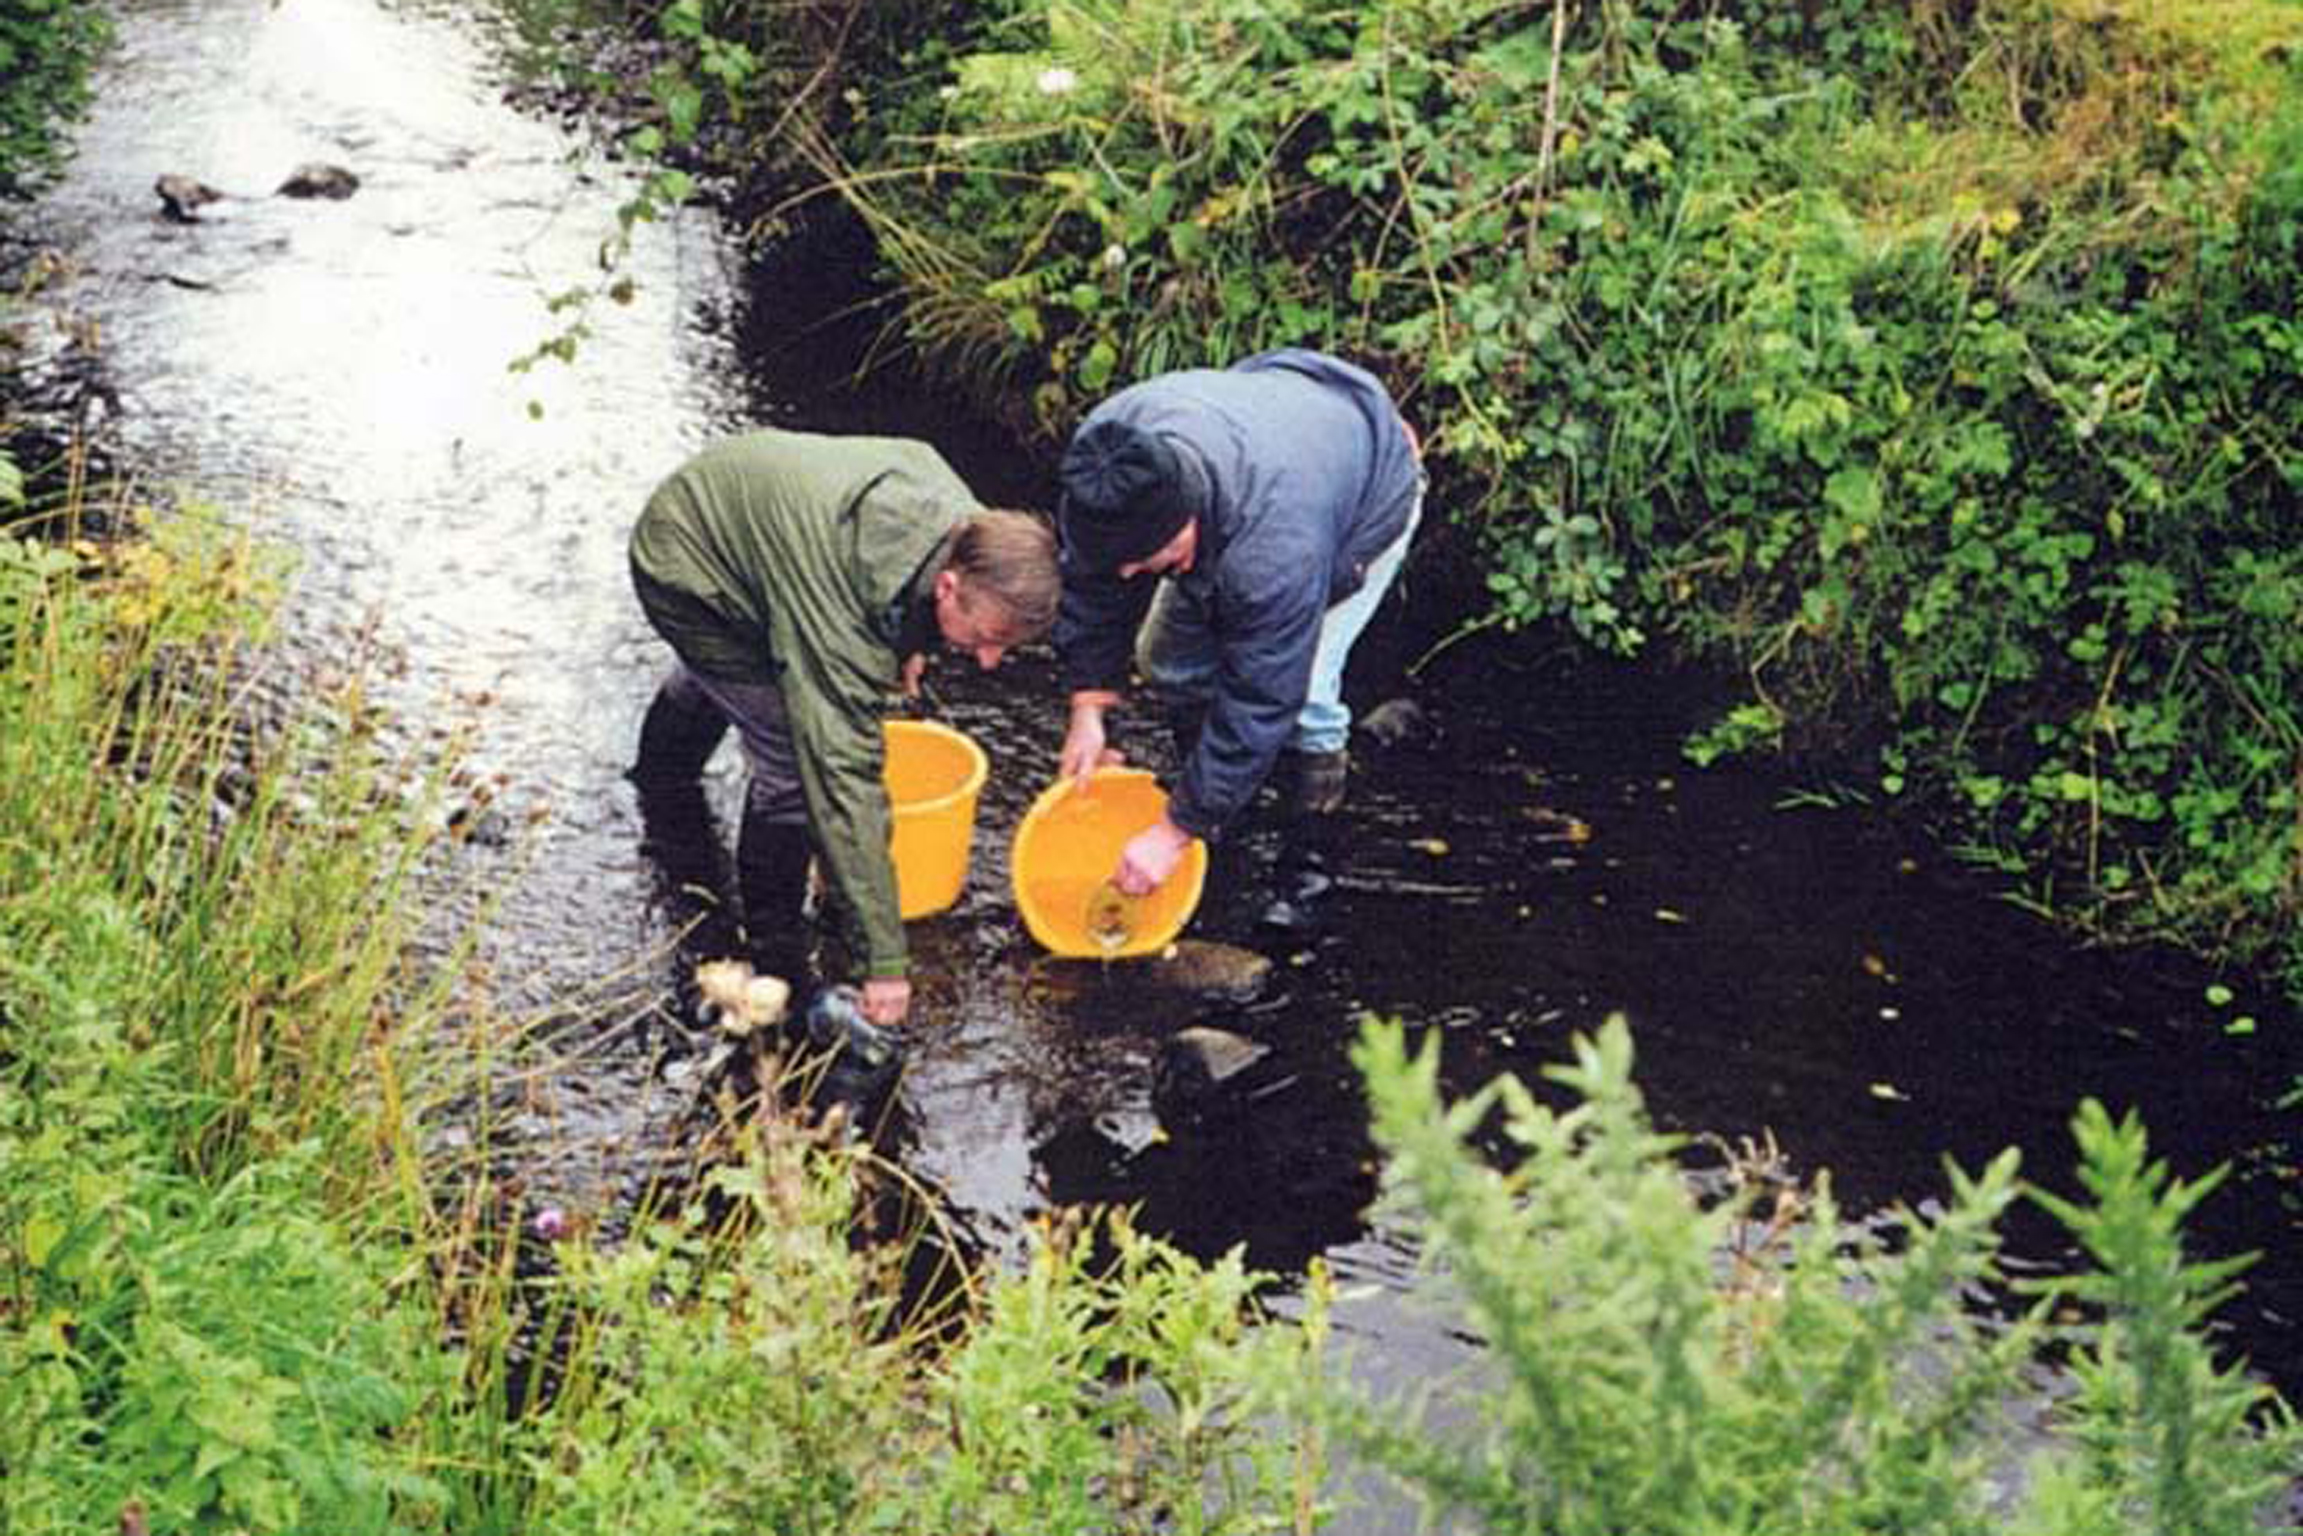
{"points": [[1010, 557]]}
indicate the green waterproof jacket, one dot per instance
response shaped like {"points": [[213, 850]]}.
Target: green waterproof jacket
{"points": [[808, 562]]}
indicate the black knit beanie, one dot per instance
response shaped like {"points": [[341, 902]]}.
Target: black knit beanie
{"points": [[1125, 493]]}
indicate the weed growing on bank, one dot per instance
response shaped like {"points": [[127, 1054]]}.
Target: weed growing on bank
{"points": [[49, 51], [196, 945]]}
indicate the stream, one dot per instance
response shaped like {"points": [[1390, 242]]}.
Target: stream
{"points": [[335, 374]]}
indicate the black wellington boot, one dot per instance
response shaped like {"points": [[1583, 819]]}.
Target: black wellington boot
{"points": [[680, 839], [1311, 793], [677, 737], [772, 877]]}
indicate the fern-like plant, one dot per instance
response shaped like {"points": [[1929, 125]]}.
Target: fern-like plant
{"points": [[1652, 1368]]}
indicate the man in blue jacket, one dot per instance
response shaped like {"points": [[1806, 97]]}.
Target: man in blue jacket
{"points": [[1235, 529]]}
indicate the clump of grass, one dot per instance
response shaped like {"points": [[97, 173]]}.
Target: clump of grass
{"points": [[197, 949]]}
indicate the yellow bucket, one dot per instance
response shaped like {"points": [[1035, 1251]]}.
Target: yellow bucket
{"points": [[933, 775], [1065, 850]]}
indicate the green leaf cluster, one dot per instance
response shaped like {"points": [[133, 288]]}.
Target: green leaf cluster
{"points": [[753, 1372], [1756, 1364], [47, 48]]}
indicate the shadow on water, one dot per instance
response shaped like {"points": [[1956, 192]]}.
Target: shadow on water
{"points": [[1538, 858]]}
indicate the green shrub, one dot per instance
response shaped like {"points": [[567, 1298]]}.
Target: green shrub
{"points": [[1654, 1365], [46, 50], [189, 973], [750, 1374], [219, 1358]]}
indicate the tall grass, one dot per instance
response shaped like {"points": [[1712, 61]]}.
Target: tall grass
{"points": [[200, 937]]}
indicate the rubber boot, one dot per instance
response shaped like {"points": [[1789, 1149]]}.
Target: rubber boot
{"points": [[1316, 781], [677, 737], [1311, 793], [680, 839], [772, 877]]}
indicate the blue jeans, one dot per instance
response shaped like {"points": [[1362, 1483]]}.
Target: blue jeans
{"points": [[1178, 651]]}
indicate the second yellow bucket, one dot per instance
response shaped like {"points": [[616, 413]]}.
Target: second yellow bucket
{"points": [[933, 775], [1065, 850]]}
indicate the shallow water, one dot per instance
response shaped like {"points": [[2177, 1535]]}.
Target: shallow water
{"points": [[336, 373]]}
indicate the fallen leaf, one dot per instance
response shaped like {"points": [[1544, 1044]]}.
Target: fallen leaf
{"points": [[1889, 1091], [1435, 846]]}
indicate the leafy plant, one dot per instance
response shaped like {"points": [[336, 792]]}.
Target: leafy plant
{"points": [[47, 48], [1657, 1364], [745, 1371], [2163, 1438]]}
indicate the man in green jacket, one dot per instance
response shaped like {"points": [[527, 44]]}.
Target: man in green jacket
{"points": [[801, 580]]}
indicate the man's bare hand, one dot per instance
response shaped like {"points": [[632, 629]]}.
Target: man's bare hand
{"points": [[1150, 858], [1086, 748], [887, 999]]}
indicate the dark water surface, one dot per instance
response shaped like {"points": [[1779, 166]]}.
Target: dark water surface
{"points": [[336, 373]]}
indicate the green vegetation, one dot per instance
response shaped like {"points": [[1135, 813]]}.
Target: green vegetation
{"points": [[1657, 1366], [46, 50], [237, 1294], [1934, 365]]}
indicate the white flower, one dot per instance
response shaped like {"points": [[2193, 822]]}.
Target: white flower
{"points": [[1057, 81], [948, 93], [1115, 257]]}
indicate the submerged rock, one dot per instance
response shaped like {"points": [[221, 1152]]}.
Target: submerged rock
{"points": [[1203, 1074], [1397, 722], [182, 197], [1208, 968], [315, 179]]}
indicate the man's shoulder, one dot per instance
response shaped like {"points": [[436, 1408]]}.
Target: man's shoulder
{"points": [[1320, 367]]}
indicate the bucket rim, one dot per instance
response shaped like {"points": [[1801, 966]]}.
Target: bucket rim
{"points": [[979, 765]]}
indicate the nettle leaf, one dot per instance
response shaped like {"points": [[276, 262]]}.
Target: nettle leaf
{"points": [[684, 107], [1097, 367], [1854, 491]]}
